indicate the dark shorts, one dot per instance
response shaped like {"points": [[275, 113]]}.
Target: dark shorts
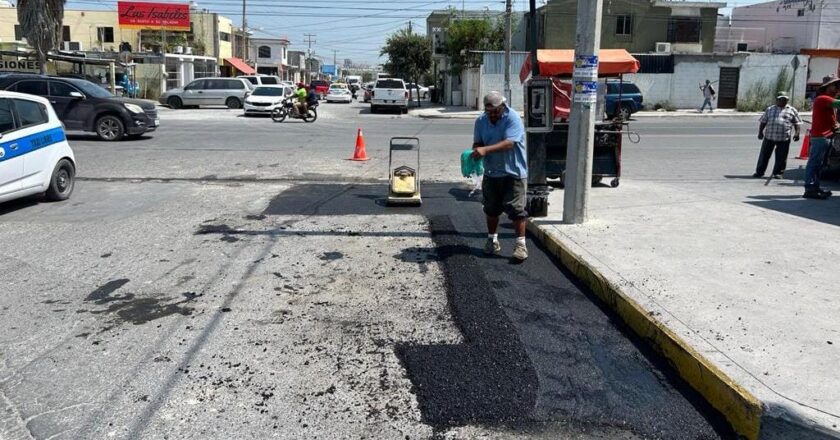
{"points": [[505, 195]]}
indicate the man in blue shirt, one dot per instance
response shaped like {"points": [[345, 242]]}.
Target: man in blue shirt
{"points": [[499, 138]]}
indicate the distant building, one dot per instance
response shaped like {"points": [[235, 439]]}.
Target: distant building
{"points": [[784, 26], [270, 55], [348, 62], [638, 26]]}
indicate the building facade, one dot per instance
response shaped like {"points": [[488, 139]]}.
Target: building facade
{"points": [[784, 26], [271, 55], [637, 26]]}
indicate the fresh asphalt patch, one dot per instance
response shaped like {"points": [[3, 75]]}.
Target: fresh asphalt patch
{"points": [[537, 347]]}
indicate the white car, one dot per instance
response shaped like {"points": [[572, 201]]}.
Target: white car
{"points": [[339, 93], [35, 157], [412, 89], [263, 99]]}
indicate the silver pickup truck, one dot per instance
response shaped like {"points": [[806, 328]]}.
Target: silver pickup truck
{"points": [[389, 93]]}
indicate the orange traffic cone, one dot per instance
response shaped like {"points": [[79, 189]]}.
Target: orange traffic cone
{"points": [[360, 154], [806, 147]]}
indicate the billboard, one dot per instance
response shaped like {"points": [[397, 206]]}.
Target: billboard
{"points": [[157, 16], [329, 69]]}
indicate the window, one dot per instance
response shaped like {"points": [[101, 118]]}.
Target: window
{"points": [[250, 79], [269, 80], [264, 52], [36, 87], [800, 12], [224, 36], [105, 34], [233, 84], [7, 120], [390, 84], [30, 113], [197, 85], [624, 25], [61, 89], [684, 30], [65, 33], [18, 33]]}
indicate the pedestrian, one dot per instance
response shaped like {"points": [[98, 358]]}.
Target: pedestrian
{"points": [[708, 95], [823, 128], [499, 137], [774, 130]]}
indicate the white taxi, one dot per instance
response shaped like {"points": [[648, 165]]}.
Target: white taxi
{"points": [[34, 154]]}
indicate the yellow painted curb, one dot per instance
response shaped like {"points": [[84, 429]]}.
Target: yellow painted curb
{"points": [[741, 409]]}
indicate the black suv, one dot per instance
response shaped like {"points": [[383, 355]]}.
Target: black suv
{"points": [[84, 106]]}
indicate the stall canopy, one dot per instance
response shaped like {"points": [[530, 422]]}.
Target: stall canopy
{"points": [[241, 66], [561, 62]]}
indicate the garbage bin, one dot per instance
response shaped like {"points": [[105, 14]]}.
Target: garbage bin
{"points": [[433, 93]]}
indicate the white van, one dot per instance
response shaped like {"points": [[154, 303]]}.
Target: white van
{"points": [[34, 154]]}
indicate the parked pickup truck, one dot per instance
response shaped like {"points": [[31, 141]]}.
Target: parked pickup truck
{"points": [[391, 93]]}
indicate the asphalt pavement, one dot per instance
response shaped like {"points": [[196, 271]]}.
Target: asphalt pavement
{"points": [[231, 277]]}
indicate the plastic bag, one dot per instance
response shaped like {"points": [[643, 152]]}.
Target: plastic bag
{"points": [[471, 166], [472, 169]]}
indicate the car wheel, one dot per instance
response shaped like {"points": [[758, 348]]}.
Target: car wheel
{"points": [[233, 103], [110, 128], [62, 181], [175, 102], [425, 96], [373, 109]]}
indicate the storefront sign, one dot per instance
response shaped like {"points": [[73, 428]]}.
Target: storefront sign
{"points": [[20, 66], [157, 16]]}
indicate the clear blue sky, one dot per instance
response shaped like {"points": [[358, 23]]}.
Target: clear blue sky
{"points": [[355, 29]]}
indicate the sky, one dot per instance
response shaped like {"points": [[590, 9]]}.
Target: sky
{"points": [[347, 29]]}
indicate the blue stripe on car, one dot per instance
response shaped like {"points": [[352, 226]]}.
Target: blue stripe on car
{"points": [[33, 142]]}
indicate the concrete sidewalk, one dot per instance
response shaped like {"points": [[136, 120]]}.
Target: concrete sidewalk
{"points": [[442, 112], [733, 281]]}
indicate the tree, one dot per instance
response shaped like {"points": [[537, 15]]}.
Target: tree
{"points": [[463, 36], [409, 56], [40, 22]]}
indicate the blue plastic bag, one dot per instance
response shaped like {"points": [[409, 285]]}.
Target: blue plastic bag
{"points": [[471, 166]]}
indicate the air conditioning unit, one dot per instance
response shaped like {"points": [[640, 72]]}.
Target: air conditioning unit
{"points": [[741, 47], [663, 47], [72, 46]]}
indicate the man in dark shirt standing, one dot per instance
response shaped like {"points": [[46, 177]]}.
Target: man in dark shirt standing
{"points": [[823, 127]]}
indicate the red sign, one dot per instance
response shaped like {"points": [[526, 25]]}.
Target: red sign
{"points": [[160, 16]]}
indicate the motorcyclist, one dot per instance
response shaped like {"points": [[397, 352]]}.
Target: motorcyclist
{"points": [[301, 94]]}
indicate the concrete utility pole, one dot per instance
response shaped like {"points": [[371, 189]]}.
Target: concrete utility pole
{"points": [[507, 49], [244, 31], [584, 111], [309, 41]]}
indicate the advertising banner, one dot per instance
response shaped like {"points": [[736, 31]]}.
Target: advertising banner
{"points": [[155, 16]]}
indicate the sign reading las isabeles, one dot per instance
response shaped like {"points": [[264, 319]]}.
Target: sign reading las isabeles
{"points": [[159, 16]]}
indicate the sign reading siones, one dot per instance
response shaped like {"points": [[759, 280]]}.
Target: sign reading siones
{"points": [[158, 16], [20, 66]]}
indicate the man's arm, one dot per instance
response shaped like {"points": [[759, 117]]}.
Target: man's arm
{"points": [[761, 130], [481, 151]]}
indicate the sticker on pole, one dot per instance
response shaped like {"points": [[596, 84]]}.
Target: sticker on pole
{"points": [[586, 91], [586, 66]]}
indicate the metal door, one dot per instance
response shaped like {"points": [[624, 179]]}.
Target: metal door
{"points": [[728, 87]]}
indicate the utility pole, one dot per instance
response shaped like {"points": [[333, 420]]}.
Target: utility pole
{"points": [[583, 114], [507, 49], [309, 41], [409, 28], [245, 31]]}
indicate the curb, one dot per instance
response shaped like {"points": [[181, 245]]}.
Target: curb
{"points": [[740, 408], [636, 116]]}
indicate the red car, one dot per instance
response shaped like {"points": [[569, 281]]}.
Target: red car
{"points": [[322, 88]]}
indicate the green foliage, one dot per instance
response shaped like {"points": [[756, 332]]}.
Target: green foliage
{"points": [[463, 36], [762, 94], [409, 55]]}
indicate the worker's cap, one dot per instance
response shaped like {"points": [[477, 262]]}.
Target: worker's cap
{"points": [[494, 100], [782, 95]]}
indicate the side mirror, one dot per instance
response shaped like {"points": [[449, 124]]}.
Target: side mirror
{"points": [[77, 95]]}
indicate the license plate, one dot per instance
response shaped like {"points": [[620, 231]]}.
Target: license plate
{"points": [[156, 122]]}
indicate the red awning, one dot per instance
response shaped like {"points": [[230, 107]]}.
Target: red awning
{"points": [[241, 66], [560, 62]]}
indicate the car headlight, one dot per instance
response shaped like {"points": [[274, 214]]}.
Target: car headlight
{"points": [[134, 108]]}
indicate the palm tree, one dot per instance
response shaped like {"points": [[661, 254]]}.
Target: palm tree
{"points": [[40, 22]]}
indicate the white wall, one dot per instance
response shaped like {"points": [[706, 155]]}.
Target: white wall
{"points": [[766, 67], [687, 78], [279, 51], [777, 27], [655, 88]]}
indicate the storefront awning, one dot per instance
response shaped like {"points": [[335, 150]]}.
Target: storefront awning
{"points": [[240, 65]]}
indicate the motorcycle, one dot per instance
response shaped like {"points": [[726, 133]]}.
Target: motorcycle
{"points": [[286, 109]]}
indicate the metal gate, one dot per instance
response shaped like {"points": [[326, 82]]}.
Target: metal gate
{"points": [[728, 87]]}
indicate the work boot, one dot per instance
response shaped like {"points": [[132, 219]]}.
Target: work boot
{"points": [[817, 194], [492, 247], [520, 252]]}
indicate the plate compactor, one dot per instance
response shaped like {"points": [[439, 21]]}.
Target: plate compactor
{"points": [[404, 181]]}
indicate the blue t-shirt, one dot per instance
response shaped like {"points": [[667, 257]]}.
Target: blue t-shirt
{"points": [[512, 162]]}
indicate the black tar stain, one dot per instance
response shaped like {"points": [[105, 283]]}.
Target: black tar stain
{"points": [[331, 256], [129, 308]]}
